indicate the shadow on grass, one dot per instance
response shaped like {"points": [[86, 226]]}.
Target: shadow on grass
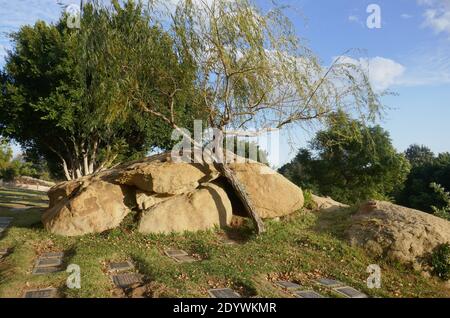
{"points": [[29, 219], [13, 198], [334, 223]]}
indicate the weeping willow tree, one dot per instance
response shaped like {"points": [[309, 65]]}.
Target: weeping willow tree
{"points": [[252, 72]]}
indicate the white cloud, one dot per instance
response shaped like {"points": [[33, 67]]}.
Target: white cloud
{"points": [[353, 18], [406, 16], [420, 68], [383, 73], [437, 15], [428, 67], [14, 14]]}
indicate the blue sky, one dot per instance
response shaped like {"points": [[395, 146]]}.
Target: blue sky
{"points": [[409, 54]]}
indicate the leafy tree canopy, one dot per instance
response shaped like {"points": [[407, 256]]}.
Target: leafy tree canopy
{"points": [[419, 155], [6, 153], [349, 162], [427, 169], [56, 95]]}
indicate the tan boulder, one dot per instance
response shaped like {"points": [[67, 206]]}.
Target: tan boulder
{"points": [[174, 197], [272, 194], [201, 209], [96, 206], [146, 200], [166, 177], [396, 232], [62, 191], [327, 204]]}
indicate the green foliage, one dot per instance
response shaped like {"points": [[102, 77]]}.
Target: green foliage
{"points": [[11, 168], [444, 210], [419, 155], [309, 202], [417, 193], [252, 70], [349, 162], [6, 153], [440, 261], [61, 88]]}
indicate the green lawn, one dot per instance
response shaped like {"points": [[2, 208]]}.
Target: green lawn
{"points": [[301, 248]]}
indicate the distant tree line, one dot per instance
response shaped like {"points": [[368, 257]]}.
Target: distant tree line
{"points": [[349, 162], [353, 163], [430, 174], [12, 167]]}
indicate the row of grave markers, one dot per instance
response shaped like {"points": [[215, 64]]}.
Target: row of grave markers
{"points": [[123, 275], [46, 263]]}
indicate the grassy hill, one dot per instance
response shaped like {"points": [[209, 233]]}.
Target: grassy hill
{"points": [[300, 248]]}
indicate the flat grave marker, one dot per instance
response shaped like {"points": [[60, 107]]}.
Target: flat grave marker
{"points": [[349, 292], [326, 282], [223, 293], [126, 280], [41, 293], [309, 294], [184, 259], [45, 270], [175, 252], [287, 285], [5, 222], [53, 255], [120, 266], [179, 256], [48, 262]]}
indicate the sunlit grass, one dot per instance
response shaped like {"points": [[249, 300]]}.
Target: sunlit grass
{"points": [[300, 248]]}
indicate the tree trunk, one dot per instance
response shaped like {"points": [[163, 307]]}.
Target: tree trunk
{"points": [[243, 196], [66, 170], [86, 164]]}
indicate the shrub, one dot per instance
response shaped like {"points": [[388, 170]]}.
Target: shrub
{"points": [[440, 260], [444, 210], [349, 162], [309, 202]]}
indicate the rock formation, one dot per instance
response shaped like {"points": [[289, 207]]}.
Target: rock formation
{"points": [[398, 233], [170, 196]]}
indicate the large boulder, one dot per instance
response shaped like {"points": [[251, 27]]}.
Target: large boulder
{"points": [[146, 200], [272, 194], [399, 233], [62, 191], [163, 176], [201, 209], [173, 197], [86, 206]]}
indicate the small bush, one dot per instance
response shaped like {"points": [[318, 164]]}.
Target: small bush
{"points": [[440, 260], [8, 174], [309, 202], [442, 211], [17, 168]]}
